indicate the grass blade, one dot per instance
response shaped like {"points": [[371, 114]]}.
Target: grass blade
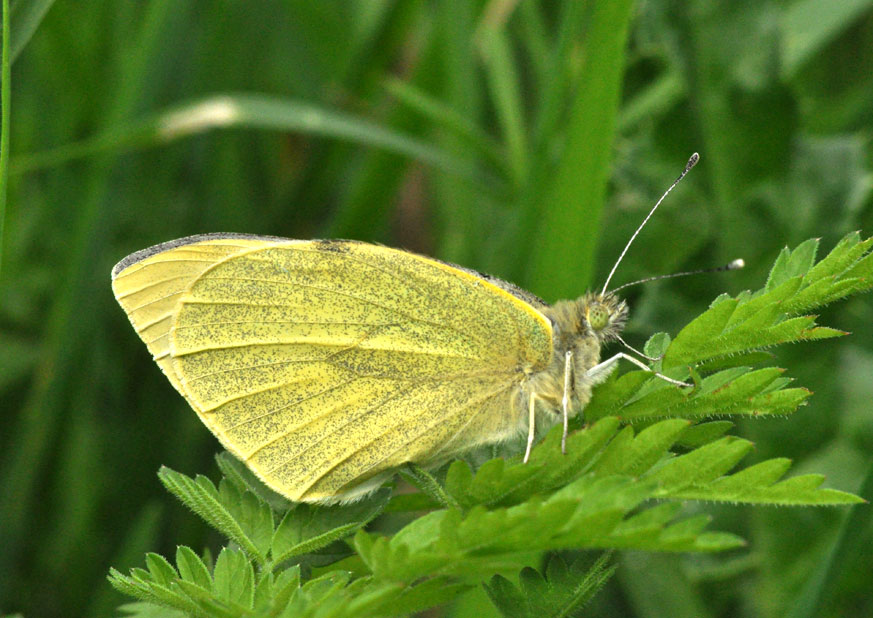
{"points": [[5, 91], [27, 16], [245, 110], [823, 581], [569, 213], [503, 80]]}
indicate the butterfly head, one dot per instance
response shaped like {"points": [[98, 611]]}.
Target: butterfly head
{"points": [[601, 315]]}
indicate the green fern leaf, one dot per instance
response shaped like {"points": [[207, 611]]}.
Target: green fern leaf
{"points": [[238, 515], [141, 585], [149, 610], [307, 528], [192, 569], [507, 482], [703, 433], [756, 321], [561, 590], [233, 579]]}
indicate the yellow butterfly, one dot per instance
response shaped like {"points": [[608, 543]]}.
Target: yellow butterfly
{"points": [[325, 365]]}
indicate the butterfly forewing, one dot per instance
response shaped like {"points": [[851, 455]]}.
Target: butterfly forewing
{"points": [[325, 363], [150, 283]]}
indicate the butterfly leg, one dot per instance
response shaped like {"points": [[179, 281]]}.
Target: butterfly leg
{"points": [[598, 373], [651, 359], [565, 400], [531, 424]]}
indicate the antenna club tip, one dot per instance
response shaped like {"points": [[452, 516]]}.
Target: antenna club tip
{"points": [[692, 161], [737, 264]]}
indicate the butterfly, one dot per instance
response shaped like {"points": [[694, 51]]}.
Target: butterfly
{"points": [[325, 365]]}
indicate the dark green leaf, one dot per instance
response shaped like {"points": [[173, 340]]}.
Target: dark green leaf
{"points": [[233, 579], [191, 568], [219, 509], [306, 528]]}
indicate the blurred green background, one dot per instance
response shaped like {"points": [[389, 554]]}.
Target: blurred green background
{"points": [[526, 139]]}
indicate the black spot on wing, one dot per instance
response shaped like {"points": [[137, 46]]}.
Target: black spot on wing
{"points": [[335, 246]]}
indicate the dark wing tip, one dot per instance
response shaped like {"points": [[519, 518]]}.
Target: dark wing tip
{"points": [[143, 254]]}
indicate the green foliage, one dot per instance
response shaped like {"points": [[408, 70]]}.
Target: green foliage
{"points": [[561, 590], [726, 335], [5, 109], [617, 488]]}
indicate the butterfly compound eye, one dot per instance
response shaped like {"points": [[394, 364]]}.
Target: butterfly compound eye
{"points": [[598, 316]]}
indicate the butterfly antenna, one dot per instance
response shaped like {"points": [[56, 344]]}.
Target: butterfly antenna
{"points": [[691, 163], [735, 265]]}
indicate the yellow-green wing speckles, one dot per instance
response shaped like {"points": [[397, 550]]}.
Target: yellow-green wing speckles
{"points": [[326, 364], [148, 284]]}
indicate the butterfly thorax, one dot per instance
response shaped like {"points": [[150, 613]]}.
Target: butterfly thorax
{"points": [[580, 326]]}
